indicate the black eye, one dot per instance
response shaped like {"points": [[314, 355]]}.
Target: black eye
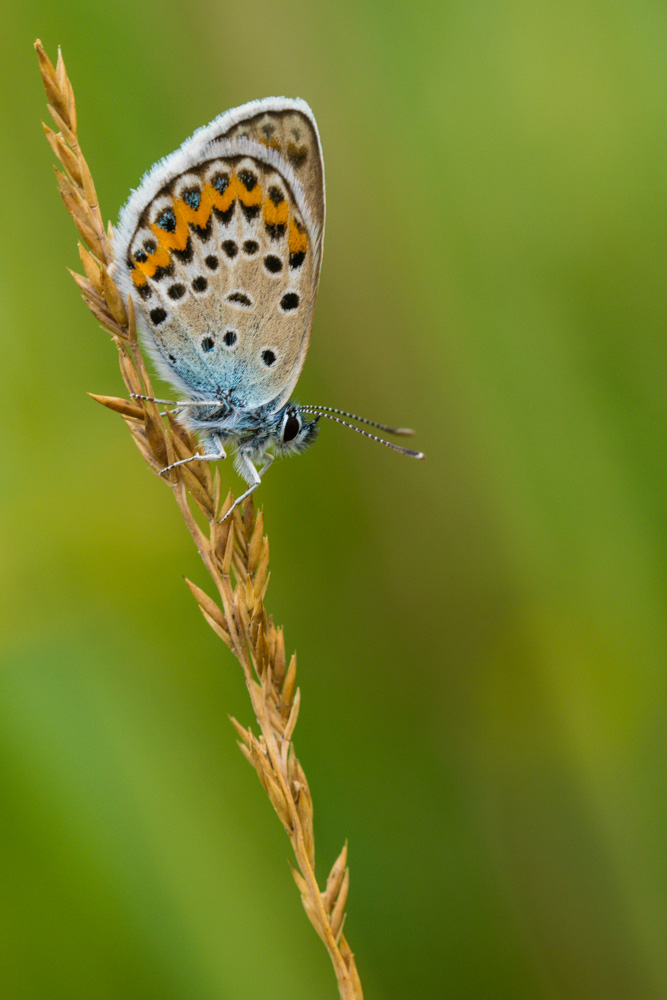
{"points": [[207, 344], [292, 428], [230, 338], [268, 357]]}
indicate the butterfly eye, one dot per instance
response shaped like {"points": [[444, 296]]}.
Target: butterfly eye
{"points": [[291, 428]]}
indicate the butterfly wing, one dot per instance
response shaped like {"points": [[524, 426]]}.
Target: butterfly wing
{"points": [[220, 247]]}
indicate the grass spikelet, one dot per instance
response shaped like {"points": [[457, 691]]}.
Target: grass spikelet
{"points": [[235, 553]]}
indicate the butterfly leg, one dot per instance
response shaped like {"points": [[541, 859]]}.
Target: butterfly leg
{"points": [[178, 403], [267, 465], [252, 477], [207, 456]]}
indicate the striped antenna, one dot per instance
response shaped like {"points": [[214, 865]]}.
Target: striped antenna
{"points": [[320, 412], [398, 431]]}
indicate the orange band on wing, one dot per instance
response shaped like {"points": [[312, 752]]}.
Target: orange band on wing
{"points": [[297, 240], [211, 198], [221, 201], [276, 215], [249, 198], [197, 216], [176, 240], [147, 268]]}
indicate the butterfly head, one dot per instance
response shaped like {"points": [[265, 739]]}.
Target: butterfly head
{"points": [[294, 431]]}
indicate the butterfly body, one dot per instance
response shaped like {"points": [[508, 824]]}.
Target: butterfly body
{"points": [[220, 248], [253, 432]]}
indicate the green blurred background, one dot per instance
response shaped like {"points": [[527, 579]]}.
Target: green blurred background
{"points": [[481, 636]]}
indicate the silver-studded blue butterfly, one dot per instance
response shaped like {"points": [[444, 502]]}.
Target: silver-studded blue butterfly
{"points": [[220, 248]]}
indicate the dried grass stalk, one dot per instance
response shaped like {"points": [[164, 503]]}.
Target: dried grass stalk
{"points": [[235, 553]]}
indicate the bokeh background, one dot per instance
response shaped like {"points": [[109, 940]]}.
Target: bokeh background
{"points": [[481, 637]]}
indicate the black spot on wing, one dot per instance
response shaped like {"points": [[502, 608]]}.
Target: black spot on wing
{"points": [[158, 316], [275, 230], [184, 255], [166, 220], [250, 211], [227, 215], [220, 182], [163, 272], [239, 299], [192, 198], [203, 232], [248, 179], [273, 264], [297, 155]]}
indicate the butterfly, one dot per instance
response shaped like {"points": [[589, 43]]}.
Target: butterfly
{"points": [[220, 248]]}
